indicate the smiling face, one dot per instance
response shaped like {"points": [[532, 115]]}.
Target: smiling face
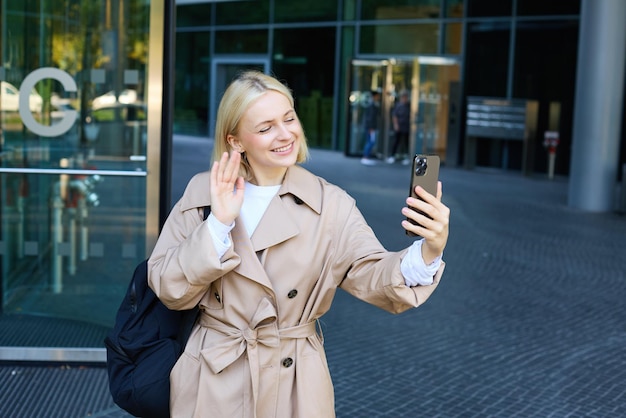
{"points": [[270, 134]]}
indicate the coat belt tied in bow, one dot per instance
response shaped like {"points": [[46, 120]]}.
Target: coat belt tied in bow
{"points": [[262, 330]]}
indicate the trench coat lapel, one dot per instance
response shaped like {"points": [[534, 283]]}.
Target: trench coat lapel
{"points": [[250, 265], [277, 225]]}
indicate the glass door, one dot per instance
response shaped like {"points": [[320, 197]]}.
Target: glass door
{"points": [[73, 177], [434, 79], [426, 81]]}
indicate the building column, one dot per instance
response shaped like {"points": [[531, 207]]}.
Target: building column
{"points": [[598, 106]]}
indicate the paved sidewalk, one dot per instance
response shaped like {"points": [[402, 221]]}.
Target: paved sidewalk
{"points": [[529, 320]]}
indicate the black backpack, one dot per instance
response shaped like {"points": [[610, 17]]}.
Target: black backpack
{"points": [[143, 346]]}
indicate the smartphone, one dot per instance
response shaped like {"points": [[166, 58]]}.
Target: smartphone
{"points": [[424, 173]]}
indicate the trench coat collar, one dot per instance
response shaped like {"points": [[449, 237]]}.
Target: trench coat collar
{"points": [[300, 187], [304, 186], [278, 224]]}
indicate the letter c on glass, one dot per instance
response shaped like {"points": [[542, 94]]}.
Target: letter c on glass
{"points": [[69, 118]]}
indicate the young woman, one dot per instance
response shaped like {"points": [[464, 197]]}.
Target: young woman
{"points": [[266, 264]]}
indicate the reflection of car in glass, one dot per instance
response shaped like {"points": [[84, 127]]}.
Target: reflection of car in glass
{"points": [[122, 129], [127, 96], [11, 99]]}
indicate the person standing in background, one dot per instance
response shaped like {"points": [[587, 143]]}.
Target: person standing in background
{"points": [[370, 124], [401, 116]]}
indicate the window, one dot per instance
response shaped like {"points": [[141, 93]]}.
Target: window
{"points": [[243, 42], [454, 8], [454, 38], [242, 12], [305, 10], [192, 91], [488, 8], [307, 68], [487, 58], [193, 15], [400, 9], [542, 7], [400, 39]]}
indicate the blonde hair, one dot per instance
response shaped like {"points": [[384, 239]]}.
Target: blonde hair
{"points": [[240, 94]]}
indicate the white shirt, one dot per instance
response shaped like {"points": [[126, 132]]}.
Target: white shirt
{"points": [[256, 199], [255, 203]]}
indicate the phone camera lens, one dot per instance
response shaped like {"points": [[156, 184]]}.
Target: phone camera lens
{"points": [[420, 166]]}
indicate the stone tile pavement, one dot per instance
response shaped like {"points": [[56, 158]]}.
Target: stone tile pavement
{"points": [[529, 320]]}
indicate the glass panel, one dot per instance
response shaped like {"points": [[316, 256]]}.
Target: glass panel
{"points": [[242, 12], [454, 8], [542, 50], [542, 7], [347, 52], [193, 15], [67, 252], [243, 42], [454, 38], [484, 8], [487, 58], [72, 173], [434, 106], [307, 67], [400, 39], [349, 9], [305, 10], [400, 9], [192, 90]]}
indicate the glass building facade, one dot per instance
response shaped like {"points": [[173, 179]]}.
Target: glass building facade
{"points": [[333, 54], [92, 91]]}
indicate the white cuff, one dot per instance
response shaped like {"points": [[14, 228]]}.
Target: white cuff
{"points": [[413, 268], [219, 233]]}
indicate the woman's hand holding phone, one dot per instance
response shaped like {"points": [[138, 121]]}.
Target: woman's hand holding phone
{"points": [[431, 220], [426, 215]]}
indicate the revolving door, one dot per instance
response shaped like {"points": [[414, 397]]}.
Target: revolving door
{"points": [[427, 81]]}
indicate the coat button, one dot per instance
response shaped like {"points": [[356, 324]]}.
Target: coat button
{"points": [[217, 296], [292, 294], [287, 362]]}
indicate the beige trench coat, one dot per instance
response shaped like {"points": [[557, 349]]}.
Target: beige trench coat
{"points": [[255, 351]]}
